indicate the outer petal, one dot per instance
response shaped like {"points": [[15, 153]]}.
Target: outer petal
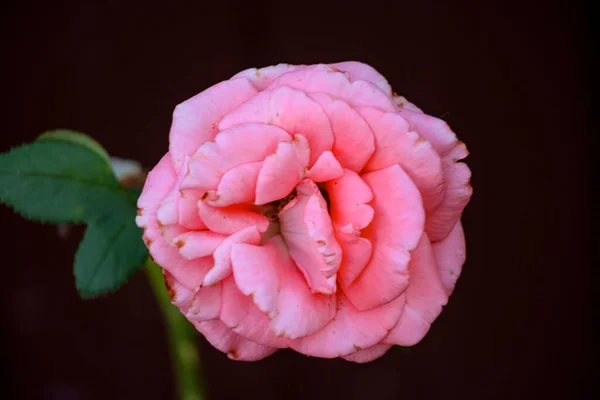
{"points": [[395, 144], [282, 171], [396, 229], [262, 77], [458, 193], [222, 254], [195, 120], [236, 347], [231, 148], [402, 102], [158, 183], [290, 110], [239, 313], [425, 297], [206, 304], [324, 78], [308, 233], [433, 129], [351, 330], [363, 72], [368, 354], [450, 254], [180, 295], [269, 275], [354, 143]]}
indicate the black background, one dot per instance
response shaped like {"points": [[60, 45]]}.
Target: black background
{"points": [[511, 78]]}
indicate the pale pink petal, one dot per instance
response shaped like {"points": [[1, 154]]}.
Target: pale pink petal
{"points": [[232, 147], [323, 78], [363, 72], [308, 233], [195, 120], [433, 129], [351, 330], [180, 295], [190, 273], [158, 184], [348, 196], [243, 316], [458, 193], [222, 254], [188, 209], [326, 168], [206, 304], [282, 171], [395, 144], [238, 185], [262, 77], [395, 230], [291, 110], [269, 276], [228, 220], [196, 244], [369, 354], [450, 255], [354, 143], [425, 297], [402, 102], [236, 347]]}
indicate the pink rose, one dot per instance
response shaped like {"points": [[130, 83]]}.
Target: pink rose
{"points": [[307, 207]]}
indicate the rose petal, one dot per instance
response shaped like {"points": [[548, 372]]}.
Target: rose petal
{"points": [[354, 143], [450, 255], [282, 171], [363, 72], [433, 129], [395, 144], [238, 185], [180, 295], [425, 297], [228, 220], [196, 244], [195, 120], [236, 347], [262, 77], [308, 233], [402, 102], [206, 304], [326, 168], [368, 354], [291, 110], [323, 78], [243, 316], [351, 330], [458, 194], [232, 147], [396, 229], [348, 196], [356, 253], [158, 184], [269, 276], [222, 254]]}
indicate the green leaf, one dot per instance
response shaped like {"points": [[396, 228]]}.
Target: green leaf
{"points": [[110, 252], [65, 176], [77, 138], [59, 181]]}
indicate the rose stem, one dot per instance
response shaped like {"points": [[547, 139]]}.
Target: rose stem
{"points": [[182, 339]]}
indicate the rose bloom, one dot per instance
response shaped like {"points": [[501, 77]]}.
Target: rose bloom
{"points": [[307, 207]]}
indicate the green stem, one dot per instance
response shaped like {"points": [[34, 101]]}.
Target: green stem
{"points": [[181, 336]]}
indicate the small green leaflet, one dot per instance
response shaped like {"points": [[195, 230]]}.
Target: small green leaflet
{"points": [[65, 176]]}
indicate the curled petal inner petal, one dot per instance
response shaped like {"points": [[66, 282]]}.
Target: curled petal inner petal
{"points": [[308, 233]]}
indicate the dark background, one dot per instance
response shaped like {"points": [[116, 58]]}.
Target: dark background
{"points": [[511, 78]]}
